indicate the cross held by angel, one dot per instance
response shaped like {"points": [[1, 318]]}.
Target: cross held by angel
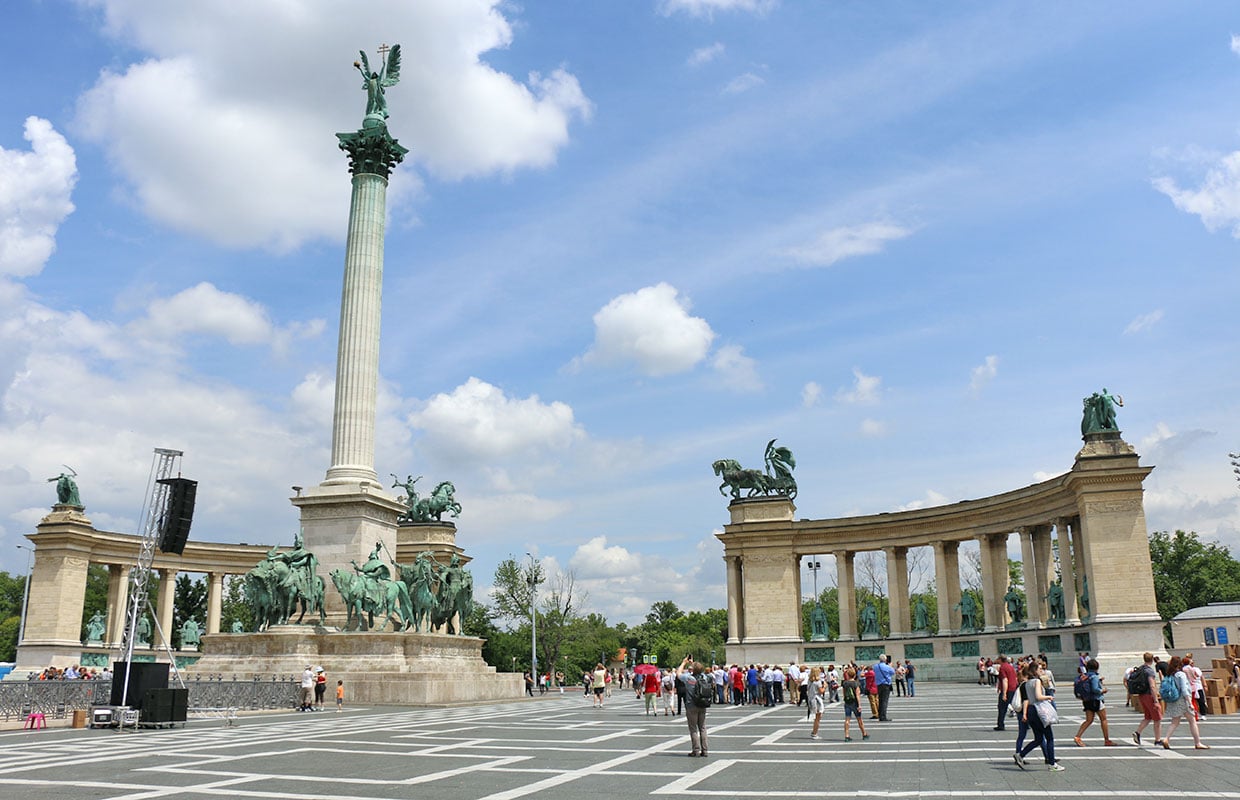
{"points": [[376, 82]]}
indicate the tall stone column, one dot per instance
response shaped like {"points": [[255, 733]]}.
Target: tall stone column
{"points": [[118, 602], [999, 553], [349, 513], [167, 589], [62, 555], [1029, 570], [947, 584], [897, 589], [735, 607], [215, 599], [1067, 571], [847, 594], [1044, 569]]}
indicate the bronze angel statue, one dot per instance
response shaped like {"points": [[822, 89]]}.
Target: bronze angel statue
{"points": [[375, 83]]}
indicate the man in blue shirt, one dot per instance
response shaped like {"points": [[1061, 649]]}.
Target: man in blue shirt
{"points": [[883, 673]]}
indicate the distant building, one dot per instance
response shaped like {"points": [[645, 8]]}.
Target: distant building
{"points": [[1212, 625]]}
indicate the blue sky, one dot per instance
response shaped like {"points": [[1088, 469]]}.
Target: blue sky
{"points": [[630, 238]]}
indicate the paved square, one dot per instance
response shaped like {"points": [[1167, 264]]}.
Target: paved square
{"points": [[939, 744]]}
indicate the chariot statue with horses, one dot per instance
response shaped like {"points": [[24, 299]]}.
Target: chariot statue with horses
{"points": [[776, 480], [426, 509]]}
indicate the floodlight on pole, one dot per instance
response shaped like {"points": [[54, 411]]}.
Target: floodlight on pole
{"points": [[533, 578]]}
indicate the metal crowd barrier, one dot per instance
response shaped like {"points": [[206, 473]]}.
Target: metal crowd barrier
{"points": [[59, 699]]}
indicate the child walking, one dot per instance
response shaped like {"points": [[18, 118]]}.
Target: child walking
{"points": [[339, 696], [852, 702]]}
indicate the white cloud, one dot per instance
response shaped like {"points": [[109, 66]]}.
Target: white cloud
{"points": [[873, 428], [743, 83], [264, 103], [595, 559], [705, 55], [1216, 201], [650, 328], [931, 499], [707, 8], [983, 374], [205, 310], [1144, 322], [1235, 44], [737, 370], [477, 421], [35, 188], [845, 242], [811, 394], [864, 391]]}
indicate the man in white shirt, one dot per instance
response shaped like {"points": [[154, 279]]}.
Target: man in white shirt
{"points": [[777, 684], [307, 690], [719, 677], [794, 683]]}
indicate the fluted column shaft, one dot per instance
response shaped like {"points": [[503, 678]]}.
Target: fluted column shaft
{"points": [[215, 600], [357, 358], [735, 608], [847, 594]]}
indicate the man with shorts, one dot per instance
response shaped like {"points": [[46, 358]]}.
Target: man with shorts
{"points": [[1143, 682], [1094, 704]]}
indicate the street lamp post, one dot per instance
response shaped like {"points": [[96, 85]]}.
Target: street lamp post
{"points": [[21, 630], [533, 615]]}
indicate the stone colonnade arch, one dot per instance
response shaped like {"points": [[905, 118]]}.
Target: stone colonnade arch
{"points": [[1093, 515]]}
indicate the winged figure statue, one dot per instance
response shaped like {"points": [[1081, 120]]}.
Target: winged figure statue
{"points": [[375, 83]]}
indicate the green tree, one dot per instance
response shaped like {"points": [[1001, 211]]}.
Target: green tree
{"points": [[12, 591], [514, 587], [1189, 573], [663, 612], [234, 607]]}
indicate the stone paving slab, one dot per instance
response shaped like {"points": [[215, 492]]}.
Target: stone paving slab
{"points": [[939, 744]]}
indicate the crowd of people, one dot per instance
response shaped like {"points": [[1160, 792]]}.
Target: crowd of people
{"points": [[73, 673], [1163, 691]]}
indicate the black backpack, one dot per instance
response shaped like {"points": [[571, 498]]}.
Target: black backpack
{"points": [[703, 693], [1139, 680]]}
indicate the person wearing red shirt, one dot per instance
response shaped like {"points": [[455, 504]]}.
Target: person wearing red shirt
{"points": [[1007, 685]]}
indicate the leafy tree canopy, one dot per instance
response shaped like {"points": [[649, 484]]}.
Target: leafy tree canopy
{"points": [[1189, 573]]}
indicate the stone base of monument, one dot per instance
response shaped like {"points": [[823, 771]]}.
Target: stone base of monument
{"points": [[405, 669]]}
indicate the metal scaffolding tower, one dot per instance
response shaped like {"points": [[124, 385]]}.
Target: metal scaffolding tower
{"points": [[154, 508]]}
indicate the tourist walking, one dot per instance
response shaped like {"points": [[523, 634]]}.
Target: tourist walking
{"points": [[1006, 682], [1039, 713], [901, 685], [909, 672], [1090, 690], [883, 675], [598, 681], [320, 688], [815, 688], [851, 689], [699, 692], [339, 696], [307, 689], [1143, 682], [1196, 685], [1177, 691]]}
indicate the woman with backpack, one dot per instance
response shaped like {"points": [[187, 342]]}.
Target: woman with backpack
{"points": [[1175, 691], [852, 702], [1088, 687]]}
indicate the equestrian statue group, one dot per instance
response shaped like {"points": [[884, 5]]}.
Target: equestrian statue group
{"points": [[423, 596]]}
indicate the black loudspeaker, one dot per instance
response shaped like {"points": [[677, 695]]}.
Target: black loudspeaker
{"points": [[165, 705], [143, 676], [174, 529]]}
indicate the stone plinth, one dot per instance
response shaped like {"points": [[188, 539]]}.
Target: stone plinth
{"points": [[341, 524], [438, 538], [414, 669]]}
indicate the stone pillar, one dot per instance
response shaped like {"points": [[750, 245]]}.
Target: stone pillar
{"points": [[167, 589], [372, 155], [1044, 570], [118, 603], [847, 594], [735, 604], [999, 553], [1029, 570], [215, 599], [1067, 571], [990, 595], [897, 589], [947, 584]]}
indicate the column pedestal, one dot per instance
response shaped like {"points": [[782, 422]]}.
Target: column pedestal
{"points": [[340, 524]]}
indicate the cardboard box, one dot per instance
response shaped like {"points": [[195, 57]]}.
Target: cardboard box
{"points": [[1231, 650], [1220, 663], [1229, 705], [1220, 674], [1215, 704], [1215, 687]]}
